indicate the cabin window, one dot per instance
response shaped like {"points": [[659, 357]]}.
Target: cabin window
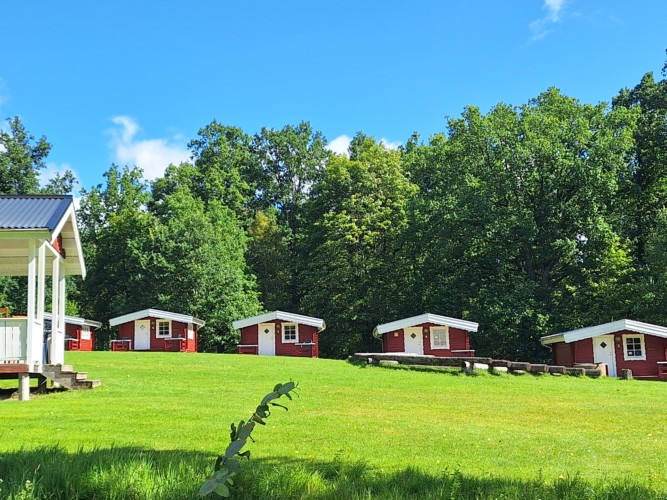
{"points": [[85, 332], [634, 348], [290, 333], [439, 337], [163, 329]]}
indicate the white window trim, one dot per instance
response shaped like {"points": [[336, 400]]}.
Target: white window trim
{"points": [[85, 332], [296, 329], [157, 329], [625, 347], [444, 327]]}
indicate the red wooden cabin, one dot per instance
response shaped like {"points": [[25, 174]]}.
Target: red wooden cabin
{"points": [[624, 344], [427, 334], [79, 332], [280, 333], [156, 330]]}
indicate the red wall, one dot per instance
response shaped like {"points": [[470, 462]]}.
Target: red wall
{"points": [[74, 332], [563, 354], [583, 353], [307, 333], [178, 329], [249, 335], [459, 340]]}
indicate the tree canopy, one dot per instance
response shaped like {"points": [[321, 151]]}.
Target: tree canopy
{"points": [[530, 219]]}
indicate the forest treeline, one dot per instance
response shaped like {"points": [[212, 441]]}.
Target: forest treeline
{"points": [[529, 220]]}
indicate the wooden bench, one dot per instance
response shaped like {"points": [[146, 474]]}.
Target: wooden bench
{"points": [[121, 345], [168, 344], [662, 370]]}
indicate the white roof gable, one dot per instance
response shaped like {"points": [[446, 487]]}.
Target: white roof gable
{"points": [[155, 313], [436, 319], [282, 316], [604, 329]]}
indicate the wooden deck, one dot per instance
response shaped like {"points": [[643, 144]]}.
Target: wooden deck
{"points": [[13, 368]]}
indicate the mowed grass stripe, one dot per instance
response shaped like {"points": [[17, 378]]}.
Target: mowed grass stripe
{"points": [[509, 427]]}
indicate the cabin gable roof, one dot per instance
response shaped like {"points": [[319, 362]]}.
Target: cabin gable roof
{"points": [[282, 316], [155, 313], [436, 319], [605, 329]]}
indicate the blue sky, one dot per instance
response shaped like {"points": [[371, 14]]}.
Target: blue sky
{"points": [[132, 82]]}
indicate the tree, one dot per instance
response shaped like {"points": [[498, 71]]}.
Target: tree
{"points": [[223, 170], [356, 211], [644, 182], [21, 159], [199, 266], [270, 257], [62, 183], [515, 224], [290, 162], [115, 230]]}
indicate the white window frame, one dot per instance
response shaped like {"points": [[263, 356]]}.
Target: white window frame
{"points": [[296, 333], [85, 332], [157, 328], [640, 336], [432, 337]]}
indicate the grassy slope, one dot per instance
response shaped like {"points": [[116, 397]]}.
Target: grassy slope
{"points": [[489, 426]]}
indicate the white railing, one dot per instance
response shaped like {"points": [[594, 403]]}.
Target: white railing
{"points": [[13, 340]]}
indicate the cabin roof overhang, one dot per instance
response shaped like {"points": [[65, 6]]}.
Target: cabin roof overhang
{"points": [[155, 313], [39, 218], [605, 329], [73, 320], [282, 316], [435, 319]]}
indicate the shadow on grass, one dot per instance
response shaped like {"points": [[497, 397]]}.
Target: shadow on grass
{"points": [[335, 480], [102, 473], [136, 473]]}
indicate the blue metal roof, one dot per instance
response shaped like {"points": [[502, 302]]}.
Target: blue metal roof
{"points": [[33, 211]]}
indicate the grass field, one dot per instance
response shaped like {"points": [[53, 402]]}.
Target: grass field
{"points": [[155, 426]]}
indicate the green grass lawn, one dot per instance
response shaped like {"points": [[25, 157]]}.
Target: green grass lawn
{"points": [[154, 427]]}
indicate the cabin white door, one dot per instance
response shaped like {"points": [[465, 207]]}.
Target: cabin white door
{"points": [[603, 352], [414, 340], [142, 335], [266, 339]]}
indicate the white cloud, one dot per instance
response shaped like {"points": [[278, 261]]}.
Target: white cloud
{"points": [[151, 155], [390, 144], [540, 28], [340, 144], [554, 7]]}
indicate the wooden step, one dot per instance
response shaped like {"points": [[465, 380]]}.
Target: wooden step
{"points": [[66, 376]]}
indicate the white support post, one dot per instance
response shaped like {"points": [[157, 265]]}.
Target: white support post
{"points": [[41, 294], [58, 321], [24, 386], [33, 345], [55, 306]]}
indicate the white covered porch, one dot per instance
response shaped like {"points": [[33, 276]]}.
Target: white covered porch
{"points": [[38, 238]]}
